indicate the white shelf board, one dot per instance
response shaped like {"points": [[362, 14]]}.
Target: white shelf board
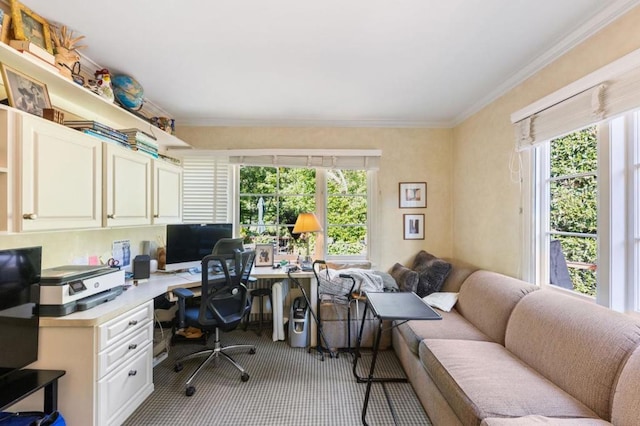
{"points": [[69, 96]]}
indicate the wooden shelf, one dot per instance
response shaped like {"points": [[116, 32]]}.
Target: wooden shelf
{"points": [[73, 98]]}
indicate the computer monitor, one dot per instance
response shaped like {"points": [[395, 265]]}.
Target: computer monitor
{"points": [[188, 243]]}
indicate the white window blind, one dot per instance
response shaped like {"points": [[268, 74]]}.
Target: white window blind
{"points": [[339, 159], [603, 94], [206, 189]]}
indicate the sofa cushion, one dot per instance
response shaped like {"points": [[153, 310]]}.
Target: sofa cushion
{"points": [[431, 273], [541, 420], [626, 398], [487, 298], [579, 345], [483, 379], [452, 326], [460, 271], [406, 278]]}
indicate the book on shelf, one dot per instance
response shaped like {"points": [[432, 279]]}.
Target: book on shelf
{"points": [[138, 136], [104, 137], [35, 50], [98, 127]]}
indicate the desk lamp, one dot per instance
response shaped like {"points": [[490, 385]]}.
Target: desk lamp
{"points": [[306, 222]]}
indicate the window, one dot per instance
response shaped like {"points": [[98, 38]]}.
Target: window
{"points": [[568, 213], [587, 212], [272, 197]]}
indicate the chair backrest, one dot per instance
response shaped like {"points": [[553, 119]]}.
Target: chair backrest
{"points": [[224, 297], [248, 257], [228, 245]]}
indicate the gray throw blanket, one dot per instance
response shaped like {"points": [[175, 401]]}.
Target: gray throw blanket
{"points": [[331, 284]]}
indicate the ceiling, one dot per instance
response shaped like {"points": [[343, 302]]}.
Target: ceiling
{"points": [[408, 63]]}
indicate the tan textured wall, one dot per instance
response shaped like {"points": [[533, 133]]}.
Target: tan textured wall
{"points": [[486, 203], [408, 155], [62, 247]]}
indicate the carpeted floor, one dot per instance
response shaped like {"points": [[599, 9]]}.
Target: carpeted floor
{"points": [[288, 386]]}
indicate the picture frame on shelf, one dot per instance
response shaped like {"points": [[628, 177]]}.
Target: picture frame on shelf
{"points": [[413, 227], [5, 26], [412, 195], [264, 255], [28, 25], [25, 93]]}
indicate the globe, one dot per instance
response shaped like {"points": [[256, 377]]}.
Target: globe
{"points": [[127, 91]]}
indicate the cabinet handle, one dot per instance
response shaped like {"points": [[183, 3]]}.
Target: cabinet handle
{"points": [[133, 346], [156, 216], [133, 372], [30, 216], [133, 322], [111, 216]]}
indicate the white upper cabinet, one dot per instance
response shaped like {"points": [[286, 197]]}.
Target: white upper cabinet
{"points": [[127, 177], [60, 177], [167, 193]]}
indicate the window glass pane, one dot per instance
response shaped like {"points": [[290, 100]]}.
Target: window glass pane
{"points": [[347, 240], [297, 181], [575, 153], [258, 180], [346, 182], [572, 211], [258, 210], [574, 205], [347, 210]]}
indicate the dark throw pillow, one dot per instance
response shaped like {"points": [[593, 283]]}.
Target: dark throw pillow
{"points": [[406, 278], [431, 273]]}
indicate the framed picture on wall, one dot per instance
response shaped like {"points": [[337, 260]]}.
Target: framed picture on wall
{"points": [[24, 92], [413, 195], [413, 226], [264, 255]]}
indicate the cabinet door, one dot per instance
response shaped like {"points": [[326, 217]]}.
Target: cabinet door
{"points": [[127, 176], [60, 177], [167, 193]]}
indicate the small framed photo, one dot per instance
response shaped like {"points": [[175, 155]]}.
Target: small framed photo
{"points": [[413, 226], [27, 25], [264, 255], [413, 194], [25, 93]]}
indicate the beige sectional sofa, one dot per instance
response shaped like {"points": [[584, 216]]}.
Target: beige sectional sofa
{"points": [[512, 354]]}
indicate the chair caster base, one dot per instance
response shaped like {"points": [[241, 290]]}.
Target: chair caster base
{"points": [[190, 390], [244, 377], [252, 351], [178, 367]]}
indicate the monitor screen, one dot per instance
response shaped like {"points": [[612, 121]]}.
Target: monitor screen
{"points": [[192, 242], [19, 296]]}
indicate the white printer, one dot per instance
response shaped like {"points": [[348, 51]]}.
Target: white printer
{"points": [[70, 288]]}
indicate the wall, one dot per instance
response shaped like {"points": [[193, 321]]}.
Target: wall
{"points": [[62, 247], [408, 155], [487, 224]]}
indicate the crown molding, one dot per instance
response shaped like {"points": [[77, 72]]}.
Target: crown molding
{"points": [[603, 18], [233, 122]]}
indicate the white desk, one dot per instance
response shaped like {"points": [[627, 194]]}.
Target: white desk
{"points": [[73, 343]]}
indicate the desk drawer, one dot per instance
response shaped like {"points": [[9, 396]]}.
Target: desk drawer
{"points": [[121, 391], [113, 356], [124, 325]]}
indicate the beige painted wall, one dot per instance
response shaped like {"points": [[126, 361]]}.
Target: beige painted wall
{"points": [[486, 202], [63, 247], [408, 155]]}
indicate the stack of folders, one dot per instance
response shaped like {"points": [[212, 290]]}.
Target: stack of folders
{"points": [[99, 131], [141, 141]]}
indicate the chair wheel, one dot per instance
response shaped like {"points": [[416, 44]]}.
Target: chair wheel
{"points": [[244, 377], [190, 390], [178, 367], [252, 351]]}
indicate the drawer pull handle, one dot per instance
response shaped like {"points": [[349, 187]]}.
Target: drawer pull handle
{"points": [[29, 216], [133, 346], [133, 372], [111, 216], [133, 322]]}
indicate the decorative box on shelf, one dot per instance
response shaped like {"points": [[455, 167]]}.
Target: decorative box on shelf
{"points": [[53, 114]]}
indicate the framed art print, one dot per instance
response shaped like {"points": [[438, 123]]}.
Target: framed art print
{"points": [[413, 195], [413, 226], [28, 25], [264, 255], [25, 93]]}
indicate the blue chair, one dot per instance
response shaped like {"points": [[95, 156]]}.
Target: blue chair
{"points": [[223, 303]]}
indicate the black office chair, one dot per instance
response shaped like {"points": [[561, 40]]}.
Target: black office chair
{"points": [[228, 245], [223, 304]]}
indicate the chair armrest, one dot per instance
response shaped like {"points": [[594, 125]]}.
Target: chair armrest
{"points": [[182, 293]]}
